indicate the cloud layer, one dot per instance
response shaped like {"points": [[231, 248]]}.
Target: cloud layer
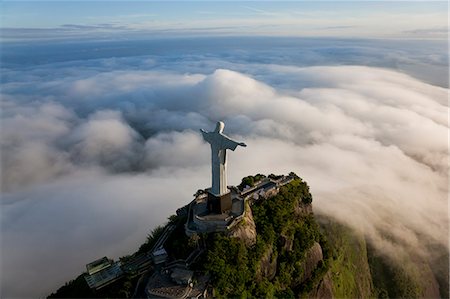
{"points": [[93, 157]]}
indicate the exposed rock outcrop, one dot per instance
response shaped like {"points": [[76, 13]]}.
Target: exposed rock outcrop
{"points": [[245, 229], [303, 209], [268, 265], [287, 241], [324, 289], [312, 258]]}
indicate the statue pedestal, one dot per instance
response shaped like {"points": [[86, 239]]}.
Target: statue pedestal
{"points": [[219, 204]]}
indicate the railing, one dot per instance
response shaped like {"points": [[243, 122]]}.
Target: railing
{"points": [[163, 238]]}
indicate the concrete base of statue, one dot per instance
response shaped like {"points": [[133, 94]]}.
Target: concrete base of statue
{"points": [[209, 213], [219, 204]]}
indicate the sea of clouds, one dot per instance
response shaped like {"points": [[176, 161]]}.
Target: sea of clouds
{"points": [[98, 149]]}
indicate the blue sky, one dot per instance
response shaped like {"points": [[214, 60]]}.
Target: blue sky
{"points": [[349, 19]]}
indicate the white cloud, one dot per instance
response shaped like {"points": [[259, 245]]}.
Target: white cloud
{"points": [[50, 232], [105, 138], [176, 150]]}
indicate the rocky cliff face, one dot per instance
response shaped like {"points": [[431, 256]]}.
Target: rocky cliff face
{"points": [[313, 256], [275, 249], [324, 289], [245, 230], [303, 209], [267, 266]]}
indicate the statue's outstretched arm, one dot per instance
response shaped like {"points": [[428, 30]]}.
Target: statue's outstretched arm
{"points": [[206, 136], [229, 143]]}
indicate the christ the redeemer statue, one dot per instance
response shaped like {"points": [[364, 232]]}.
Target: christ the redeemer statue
{"points": [[219, 145]]}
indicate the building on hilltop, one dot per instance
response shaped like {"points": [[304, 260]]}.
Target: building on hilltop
{"points": [[182, 276], [159, 256], [102, 272]]}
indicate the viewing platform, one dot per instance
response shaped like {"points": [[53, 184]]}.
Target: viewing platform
{"points": [[201, 220]]}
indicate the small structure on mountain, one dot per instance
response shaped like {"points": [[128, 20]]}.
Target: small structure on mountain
{"points": [[102, 272], [182, 276]]}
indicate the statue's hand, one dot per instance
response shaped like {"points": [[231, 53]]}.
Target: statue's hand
{"points": [[242, 144]]}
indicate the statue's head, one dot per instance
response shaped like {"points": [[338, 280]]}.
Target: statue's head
{"points": [[219, 127]]}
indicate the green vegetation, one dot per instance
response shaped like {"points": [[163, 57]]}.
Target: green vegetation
{"points": [[178, 245], [78, 288], [393, 281], [227, 260], [250, 180], [440, 266], [237, 270], [151, 239], [349, 266]]}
